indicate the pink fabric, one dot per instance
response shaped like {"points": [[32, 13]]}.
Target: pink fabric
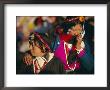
{"points": [[81, 53], [60, 53]]}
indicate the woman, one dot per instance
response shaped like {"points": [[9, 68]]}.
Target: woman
{"points": [[76, 46], [40, 56]]}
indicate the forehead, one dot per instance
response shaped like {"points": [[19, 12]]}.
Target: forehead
{"points": [[77, 26]]}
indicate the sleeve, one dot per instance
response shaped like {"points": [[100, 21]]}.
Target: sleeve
{"points": [[86, 57]]}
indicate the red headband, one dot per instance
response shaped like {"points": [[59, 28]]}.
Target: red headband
{"points": [[42, 40]]}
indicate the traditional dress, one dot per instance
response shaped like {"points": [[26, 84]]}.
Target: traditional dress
{"points": [[77, 61], [48, 65]]}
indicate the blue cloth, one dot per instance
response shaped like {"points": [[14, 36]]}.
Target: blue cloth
{"points": [[88, 59], [55, 43]]}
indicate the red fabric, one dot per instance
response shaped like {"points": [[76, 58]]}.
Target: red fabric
{"points": [[67, 49], [72, 65], [65, 37], [73, 48], [35, 66], [43, 41], [43, 67]]}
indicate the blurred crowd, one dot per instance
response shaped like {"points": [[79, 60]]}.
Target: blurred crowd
{"points": [[26, 25]]}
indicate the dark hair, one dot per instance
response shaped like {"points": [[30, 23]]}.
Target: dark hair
{"points": [[37, 38], [69, 22]]}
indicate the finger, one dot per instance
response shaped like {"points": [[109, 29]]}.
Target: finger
{"points": [[30, 60], [25, 56], [79, 37], [26, 60]]}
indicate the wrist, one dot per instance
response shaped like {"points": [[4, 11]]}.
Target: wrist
{"points": [[80, 47]]}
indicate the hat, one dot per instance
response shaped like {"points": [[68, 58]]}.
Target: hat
{"points": [[71, 21], [75, 19], [41, 39]]}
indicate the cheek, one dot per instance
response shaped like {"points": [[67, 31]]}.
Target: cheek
{"points": [[35, 51]]}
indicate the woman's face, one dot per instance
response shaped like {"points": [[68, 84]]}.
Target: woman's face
{"points": [[75, 30], [35, 50]]}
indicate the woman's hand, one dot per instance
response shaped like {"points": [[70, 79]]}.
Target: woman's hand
{"points": [[79, 40], [28, 59]]}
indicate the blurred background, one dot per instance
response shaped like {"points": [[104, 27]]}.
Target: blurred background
{"points": [[42, 24]]}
